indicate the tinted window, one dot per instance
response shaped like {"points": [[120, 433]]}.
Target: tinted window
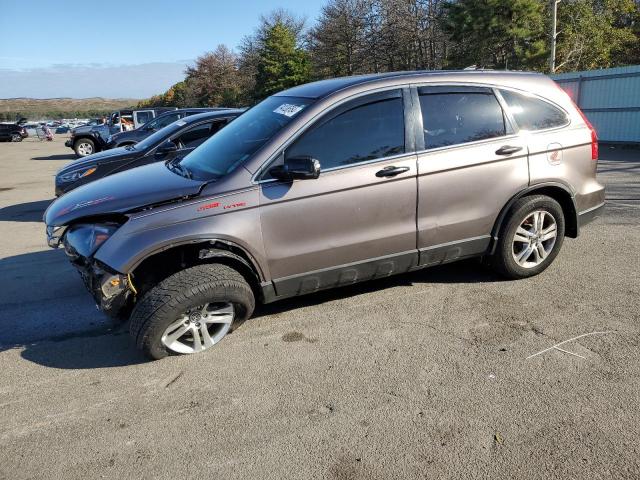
{"points": [[452, 118], [235, 143], [163, 121], [533, 114], [365, 132], [198, 134], [143, 117]]}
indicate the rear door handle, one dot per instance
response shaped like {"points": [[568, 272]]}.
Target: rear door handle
{"points": [[507, 150], [391, 171]]}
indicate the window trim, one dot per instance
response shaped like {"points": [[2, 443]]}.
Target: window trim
{"points": [[524, 93], [511, 129], [409, 140]]}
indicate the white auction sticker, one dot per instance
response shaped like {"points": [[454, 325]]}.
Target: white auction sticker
{"points": [[288, 110]]}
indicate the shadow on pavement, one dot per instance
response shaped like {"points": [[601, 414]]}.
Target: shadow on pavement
{"points": [[24, 212], [46, 310], [465, 271]]}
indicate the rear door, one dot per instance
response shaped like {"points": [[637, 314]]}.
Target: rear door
{"points": [[470, 163], [357, 220]]}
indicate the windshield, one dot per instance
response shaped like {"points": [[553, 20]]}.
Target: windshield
{"points": [[235, 143], [157, 137]]}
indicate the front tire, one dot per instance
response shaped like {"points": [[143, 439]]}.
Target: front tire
{"points": [[191, 311], [16, 137], [530, 239], [84, 147]]}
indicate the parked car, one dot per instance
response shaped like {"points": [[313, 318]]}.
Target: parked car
{"points": [[332, 183], [176, 139], [12, 132], [132, 137], [91, 138]]}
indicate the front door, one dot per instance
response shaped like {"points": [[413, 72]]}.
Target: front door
{"points": [[358, 219]]}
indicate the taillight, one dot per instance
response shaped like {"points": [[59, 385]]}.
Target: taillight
{"points": [[594, 135]]}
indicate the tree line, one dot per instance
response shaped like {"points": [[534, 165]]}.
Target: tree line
{"points": [[369, 36]]}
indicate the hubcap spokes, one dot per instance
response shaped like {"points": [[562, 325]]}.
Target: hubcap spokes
{"points": [[534, 239], [199, 328]]}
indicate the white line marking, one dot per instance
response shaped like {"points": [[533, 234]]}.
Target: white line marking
{"points": [[555, 347]]}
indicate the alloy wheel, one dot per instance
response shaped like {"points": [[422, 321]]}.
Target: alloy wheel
{"points": [[199, 328], [85, 149], [534, 239]]}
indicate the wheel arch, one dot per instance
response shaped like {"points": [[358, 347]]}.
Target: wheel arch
{"points": [[159, 264], [558, 191]]}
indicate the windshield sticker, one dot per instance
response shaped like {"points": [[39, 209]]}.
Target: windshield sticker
{"points": [[288, 110]]}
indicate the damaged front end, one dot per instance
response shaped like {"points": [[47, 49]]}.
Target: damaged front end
{"points": [[111, 290]]}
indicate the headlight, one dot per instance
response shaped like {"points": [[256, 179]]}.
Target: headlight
{"points": [[74, 175], [85, 239]]}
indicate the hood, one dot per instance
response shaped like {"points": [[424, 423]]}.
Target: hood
{"points": [[100, 157], [90, 128], [121, 192]]}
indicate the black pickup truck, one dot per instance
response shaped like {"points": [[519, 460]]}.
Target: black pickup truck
{"points": [[90, 139]]}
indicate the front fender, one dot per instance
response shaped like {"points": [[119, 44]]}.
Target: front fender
{"points": [[232, 218]]}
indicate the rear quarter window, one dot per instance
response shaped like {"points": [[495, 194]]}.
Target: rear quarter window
{"points": [[532, 113]]}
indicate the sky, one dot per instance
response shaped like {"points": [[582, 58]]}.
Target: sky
{"points": [[128, 49]]}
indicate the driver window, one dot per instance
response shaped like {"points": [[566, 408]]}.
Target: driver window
{"points": [[367, 131]]}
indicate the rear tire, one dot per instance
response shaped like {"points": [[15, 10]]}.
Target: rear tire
{"points": [[204, 302], [530, 238], [84, 147]]}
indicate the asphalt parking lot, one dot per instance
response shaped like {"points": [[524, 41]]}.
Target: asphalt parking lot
{"points": [[426, 375]]}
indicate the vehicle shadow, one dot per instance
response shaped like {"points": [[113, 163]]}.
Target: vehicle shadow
{"points": [[24, 212], [46, 311], [465, 271], [62, 156]]}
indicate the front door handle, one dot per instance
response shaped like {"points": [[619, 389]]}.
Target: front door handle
{"points": [[391, 171], [507, 150]]}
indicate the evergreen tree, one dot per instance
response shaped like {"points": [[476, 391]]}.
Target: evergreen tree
{"points": [[281, 63]]}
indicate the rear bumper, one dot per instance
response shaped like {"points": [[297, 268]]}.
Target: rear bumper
{"points": [[587, 216]]}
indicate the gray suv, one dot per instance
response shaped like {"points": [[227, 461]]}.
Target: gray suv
{"points": [[332, 183]]}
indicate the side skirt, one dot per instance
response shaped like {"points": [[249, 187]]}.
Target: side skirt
{"points": [[380, 267]]}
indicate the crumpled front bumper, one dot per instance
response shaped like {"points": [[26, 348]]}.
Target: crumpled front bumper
{"points": [[110, 290], [69, 143]]}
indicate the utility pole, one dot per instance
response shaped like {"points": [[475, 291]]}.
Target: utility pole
{"points": [[554, 34]]}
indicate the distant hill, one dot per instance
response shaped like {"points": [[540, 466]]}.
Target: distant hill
{"points": [[35, 109]]}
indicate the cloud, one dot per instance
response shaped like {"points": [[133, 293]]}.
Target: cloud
{"points": [[91, 80]]}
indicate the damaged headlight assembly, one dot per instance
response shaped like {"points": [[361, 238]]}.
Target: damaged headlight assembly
{"points": [[82, 240]]}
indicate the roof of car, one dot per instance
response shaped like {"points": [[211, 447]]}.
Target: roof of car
{"points": [[213, 114], [323, 88], [195, 109]]}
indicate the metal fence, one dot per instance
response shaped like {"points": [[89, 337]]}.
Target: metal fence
{"points": [[609, 98]]}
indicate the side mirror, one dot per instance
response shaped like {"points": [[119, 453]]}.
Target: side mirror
{"points": [[297, 168], [166, 148]]}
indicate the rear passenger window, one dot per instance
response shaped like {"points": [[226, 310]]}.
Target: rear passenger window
{"points": [[365, 132], [455, 117], [533, 114]]}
